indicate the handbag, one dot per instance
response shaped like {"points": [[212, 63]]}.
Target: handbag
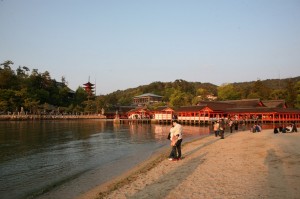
{"points": [[169, 136]]}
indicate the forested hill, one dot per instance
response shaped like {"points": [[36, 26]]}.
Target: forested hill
{"points": [[271, 83], [181, 92]]}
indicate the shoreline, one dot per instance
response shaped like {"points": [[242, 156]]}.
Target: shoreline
{"points": [[244, 164], [24, 117], [101, 191]]}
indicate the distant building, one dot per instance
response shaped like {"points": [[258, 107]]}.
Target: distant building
{"points": [[89, 88], [211, 97], [147, 98]]}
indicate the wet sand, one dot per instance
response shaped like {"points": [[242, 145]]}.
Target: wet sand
{"points": [[243, 165]]}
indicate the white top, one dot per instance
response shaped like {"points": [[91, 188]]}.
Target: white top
{"points": [[176, 131]]}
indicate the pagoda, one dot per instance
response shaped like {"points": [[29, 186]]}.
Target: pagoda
{"points": [[89, 88]]}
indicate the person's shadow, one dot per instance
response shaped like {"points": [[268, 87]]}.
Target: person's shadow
{"points": [[276, 178]]}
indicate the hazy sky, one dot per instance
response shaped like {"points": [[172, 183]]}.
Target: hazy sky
{"points": [[123, 44]]}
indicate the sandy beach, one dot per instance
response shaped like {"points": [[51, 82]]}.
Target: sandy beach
{"points": [[243, 165]]}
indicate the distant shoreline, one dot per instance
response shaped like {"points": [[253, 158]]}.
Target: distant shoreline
{"points": [[49, 117]]}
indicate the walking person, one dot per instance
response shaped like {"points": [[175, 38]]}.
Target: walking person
{"points": [[176, 140]]}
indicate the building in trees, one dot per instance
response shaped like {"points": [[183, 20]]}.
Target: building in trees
{"points": [[147, 98]]}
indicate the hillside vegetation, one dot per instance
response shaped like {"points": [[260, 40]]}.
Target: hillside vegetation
{"points": [[182, 93], [36, 92]]}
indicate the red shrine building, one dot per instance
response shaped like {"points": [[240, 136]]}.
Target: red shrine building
{"points": [[248, 110]]}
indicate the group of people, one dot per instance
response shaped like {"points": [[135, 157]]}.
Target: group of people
{"points": [[255, 128], [286, 129], [219, 128]]}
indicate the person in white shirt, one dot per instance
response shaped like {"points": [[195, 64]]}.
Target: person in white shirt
{"points": [[176, 139]]}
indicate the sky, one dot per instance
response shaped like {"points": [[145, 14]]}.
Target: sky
{"points": [[121, 44]]}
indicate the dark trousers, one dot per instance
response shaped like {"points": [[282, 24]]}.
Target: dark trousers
{"points": [[178, 147], [216, 133], [222, 134], [176, 150], [173, 153]]}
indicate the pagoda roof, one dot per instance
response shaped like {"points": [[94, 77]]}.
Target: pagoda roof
{"points": [[89, 84]]}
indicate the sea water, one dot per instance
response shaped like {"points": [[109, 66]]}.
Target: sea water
{"points": [[40, 157]]}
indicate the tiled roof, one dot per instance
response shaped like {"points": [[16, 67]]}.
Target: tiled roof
{"points": [[262, 110], [190, 108], [246, 103], [217, 106], [139, 109], [287, 110], [163, 108], [147, 95], [250, 110], [275, 103]]}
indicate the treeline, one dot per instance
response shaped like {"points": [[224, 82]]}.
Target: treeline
{"points": [[183, 93], [37, 92]]}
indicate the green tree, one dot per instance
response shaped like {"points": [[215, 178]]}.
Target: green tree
{"points": [[228, 92], [31, 105], [179, 98], [80, 96], [278, 94], [291, 93], [260, 90], [3, 106], [297, 89], [8, 79]]}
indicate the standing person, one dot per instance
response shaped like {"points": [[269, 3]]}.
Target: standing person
{"points": [[243, 125], [231, 125], [216, 128], [176, 139], [222, 128], [172, 138], [294, 127], [236, 125]]}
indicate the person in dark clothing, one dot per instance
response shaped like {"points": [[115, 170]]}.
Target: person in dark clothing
{"points": [[231, 125], [294, 127], [236, 125], [222, 128]]}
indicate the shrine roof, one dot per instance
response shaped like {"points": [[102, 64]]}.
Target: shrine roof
{"points": [[275, 103], [147, 95]]}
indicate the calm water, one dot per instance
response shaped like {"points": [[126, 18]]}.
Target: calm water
{"points": [[41, 156]]}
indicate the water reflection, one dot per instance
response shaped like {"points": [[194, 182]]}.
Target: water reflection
{"points": [[35, 155]]}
